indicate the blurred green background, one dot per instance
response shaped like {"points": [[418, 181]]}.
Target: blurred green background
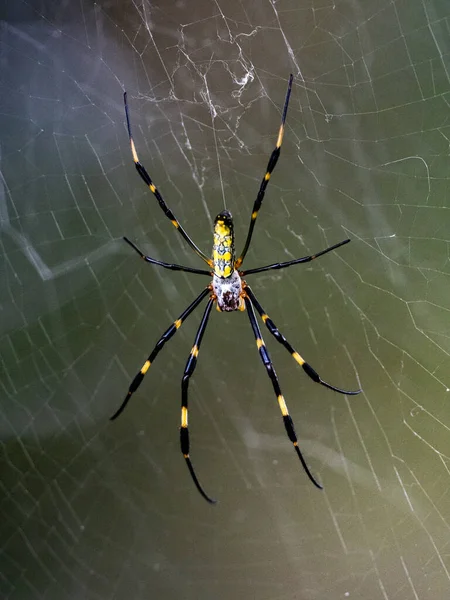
{"points": [[98, 510]]}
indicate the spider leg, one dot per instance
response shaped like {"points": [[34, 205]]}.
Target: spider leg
{"points": [[147, 179], [170, 266], [188, 371], [283, 341], [159, 345], [296, 261], [270, 167], [265, 358]]}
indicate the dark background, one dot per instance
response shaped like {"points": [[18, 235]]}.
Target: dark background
{"points": [[92, 509]]}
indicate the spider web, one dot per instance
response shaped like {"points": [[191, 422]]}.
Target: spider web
{"points": [[93, 509]]}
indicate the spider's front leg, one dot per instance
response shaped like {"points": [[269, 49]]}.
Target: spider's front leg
{"points": [[152, 187], [265, 180]]}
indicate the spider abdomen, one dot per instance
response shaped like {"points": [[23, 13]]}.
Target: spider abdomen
{"points": [[228, 292]]}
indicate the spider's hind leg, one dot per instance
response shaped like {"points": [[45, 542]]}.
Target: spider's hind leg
{"points": [[295, 355], [156, 350], [188, 371], [265, 358]]}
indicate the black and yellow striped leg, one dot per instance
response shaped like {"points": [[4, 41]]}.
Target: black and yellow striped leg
{"points": [[288, 423], [270, 167], [159, 345], [188, 371], [147, 179], [170, 266], [283, 341], [296, 261]]}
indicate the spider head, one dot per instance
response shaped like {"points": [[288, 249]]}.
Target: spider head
{"points": [[224, 218], [223, 227]]}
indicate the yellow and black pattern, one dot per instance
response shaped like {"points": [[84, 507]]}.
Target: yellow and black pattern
{"points": [[312, 373], [223, 248], [270, 167], [227, 282], [148, 181], [188, 371], [229, 292], [159, 345], [265, 358]]}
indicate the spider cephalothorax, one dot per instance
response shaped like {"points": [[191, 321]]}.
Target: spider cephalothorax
{"points": [[230, 292]]}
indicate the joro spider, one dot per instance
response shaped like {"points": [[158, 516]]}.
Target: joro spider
{"points": [[230, 292]]}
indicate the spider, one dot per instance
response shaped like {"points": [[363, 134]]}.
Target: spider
{"points": [[230, 292]]}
